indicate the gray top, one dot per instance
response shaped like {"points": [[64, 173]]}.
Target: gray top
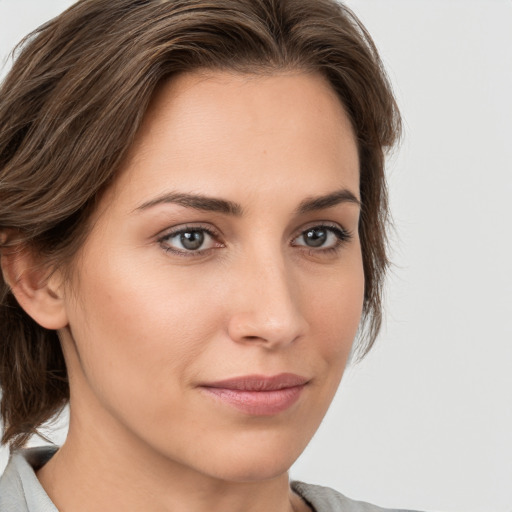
{"points": [[20, 490]]}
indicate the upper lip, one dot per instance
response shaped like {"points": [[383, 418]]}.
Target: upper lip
{"points": [[259, 382]]}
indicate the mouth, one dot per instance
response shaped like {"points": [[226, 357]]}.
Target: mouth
{"points": [[258, 395]]}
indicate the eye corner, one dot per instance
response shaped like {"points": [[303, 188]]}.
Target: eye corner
{"points": [[191, 238], [323, 237]]}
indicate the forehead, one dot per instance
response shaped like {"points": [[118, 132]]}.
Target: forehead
{"points": [[215, 131]]}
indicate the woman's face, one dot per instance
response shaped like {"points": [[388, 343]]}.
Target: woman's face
{"points": [[217, 296]]}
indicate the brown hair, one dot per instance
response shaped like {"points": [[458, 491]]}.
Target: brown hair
{"points": [[74, 99]]}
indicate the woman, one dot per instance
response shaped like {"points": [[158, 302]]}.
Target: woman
{"points": [[192, 213]]}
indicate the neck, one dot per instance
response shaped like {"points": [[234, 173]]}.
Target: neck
{"points": [[91, 473]]}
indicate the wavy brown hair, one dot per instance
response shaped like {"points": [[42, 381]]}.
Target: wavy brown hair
{"points": [[74, 100]]}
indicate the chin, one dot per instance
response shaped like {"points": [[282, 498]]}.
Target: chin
{"points": [[247, 471], [252, 463]]}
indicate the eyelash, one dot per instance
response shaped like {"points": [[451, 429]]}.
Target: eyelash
{"points": [[190, 229], [342, 235]]}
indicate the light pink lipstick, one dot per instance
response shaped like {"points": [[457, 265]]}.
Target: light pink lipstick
{"points": [[258, 395]]}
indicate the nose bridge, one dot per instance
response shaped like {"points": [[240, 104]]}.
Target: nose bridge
{"points": [[268, 307]]}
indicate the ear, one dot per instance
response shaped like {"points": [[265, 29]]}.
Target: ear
{"points": [[37, 291]]}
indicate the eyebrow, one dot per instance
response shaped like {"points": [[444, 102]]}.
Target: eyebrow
{"points": [[213, 204], [195, 201], [328, 201]]}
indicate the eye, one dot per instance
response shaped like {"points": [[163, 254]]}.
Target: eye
{"points": [[189, 240], [322, 237]]}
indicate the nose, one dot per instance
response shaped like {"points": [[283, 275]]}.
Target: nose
{"points": [[266, 307]]}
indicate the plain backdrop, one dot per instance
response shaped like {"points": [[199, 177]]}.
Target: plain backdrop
{"points": [[425, 422]]}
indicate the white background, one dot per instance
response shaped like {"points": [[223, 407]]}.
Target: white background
{"points": [[425, 421]]}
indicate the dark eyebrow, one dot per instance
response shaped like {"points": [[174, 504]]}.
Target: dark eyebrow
{"points": [[196, 201], [212, 204], [328, 201]]}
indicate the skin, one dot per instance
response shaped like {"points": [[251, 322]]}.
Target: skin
{"points": [[144, 321]]}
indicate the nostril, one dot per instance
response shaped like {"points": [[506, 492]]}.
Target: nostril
{"points": [[271, 314], [252, 328]]}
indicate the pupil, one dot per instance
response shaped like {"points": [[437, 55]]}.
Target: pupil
{"points": [[192, 240], [315, 237]]}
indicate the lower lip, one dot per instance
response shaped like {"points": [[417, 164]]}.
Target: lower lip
{"points": [[257, 403]]}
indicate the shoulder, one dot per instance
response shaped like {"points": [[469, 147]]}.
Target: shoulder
{"points": [[325, 499], [20, 489]]}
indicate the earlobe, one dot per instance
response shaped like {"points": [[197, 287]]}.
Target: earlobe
{"points": [[38, 292]]}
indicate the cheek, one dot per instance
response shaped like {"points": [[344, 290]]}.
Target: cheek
{"points": [[136, 325], [334, 308], [335, 313]]}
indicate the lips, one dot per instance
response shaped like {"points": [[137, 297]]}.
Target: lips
{"points": [[256, 394]]}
